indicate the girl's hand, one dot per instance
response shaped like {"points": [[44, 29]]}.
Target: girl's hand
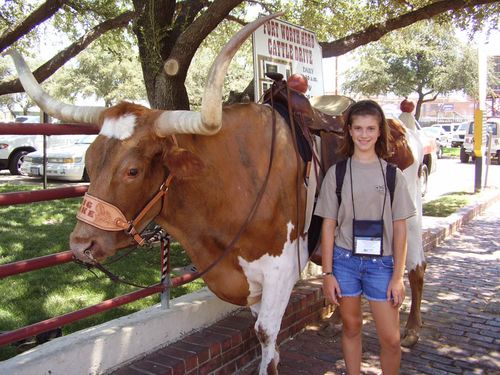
{"points": [[331, 289], [396, 291]]}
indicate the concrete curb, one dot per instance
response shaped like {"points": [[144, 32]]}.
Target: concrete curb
{"points": [[97, 349]]}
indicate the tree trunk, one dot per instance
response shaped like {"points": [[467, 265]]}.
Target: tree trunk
{"points": [[173, 37]]}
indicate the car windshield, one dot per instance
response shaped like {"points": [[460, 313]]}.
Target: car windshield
{"points": [[88, 139], [463, 126], [492, 128], [432, 132]]}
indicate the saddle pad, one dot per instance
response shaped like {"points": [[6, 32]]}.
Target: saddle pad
{"points": [[333, 105]]}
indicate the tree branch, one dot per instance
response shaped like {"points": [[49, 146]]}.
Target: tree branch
{"points": [[375, 32], [39, 15], [51, 66], [267, 7], [189, 41], [236, 19]]}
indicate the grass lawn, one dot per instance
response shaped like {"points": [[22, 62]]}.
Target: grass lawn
{"points": [[447, 204], [451, 151], [43, 228]]}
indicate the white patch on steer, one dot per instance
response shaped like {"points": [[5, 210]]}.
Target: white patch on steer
{"points": [[273, 277], [118, 127]]}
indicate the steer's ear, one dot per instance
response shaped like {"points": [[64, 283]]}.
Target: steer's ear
{"points": [[183, 163]]}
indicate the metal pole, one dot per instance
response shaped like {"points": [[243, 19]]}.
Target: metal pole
{"points": [[165, 271], [44, 161], [488, 157], [45, 120], [478, 143]]}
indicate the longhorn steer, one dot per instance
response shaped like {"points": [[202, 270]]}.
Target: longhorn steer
{"points": [[217, 161]]}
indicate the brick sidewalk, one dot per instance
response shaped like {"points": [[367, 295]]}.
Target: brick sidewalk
{"points": [[461, 313], [460, 308]]}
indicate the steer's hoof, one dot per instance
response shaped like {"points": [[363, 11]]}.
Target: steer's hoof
{"points": [[410, 338]]}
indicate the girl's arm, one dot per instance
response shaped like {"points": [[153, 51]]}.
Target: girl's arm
{"points": [[331, 287], [396, 289]]}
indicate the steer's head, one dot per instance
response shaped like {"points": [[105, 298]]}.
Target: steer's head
{"points": [[133, 155]]}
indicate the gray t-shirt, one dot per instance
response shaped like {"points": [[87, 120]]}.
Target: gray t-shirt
{"points": [[368, 194]]}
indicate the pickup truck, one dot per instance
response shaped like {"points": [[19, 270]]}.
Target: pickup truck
{"points": [[490, 131]]}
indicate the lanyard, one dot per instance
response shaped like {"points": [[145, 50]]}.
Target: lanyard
{"points": [[352, 183]]}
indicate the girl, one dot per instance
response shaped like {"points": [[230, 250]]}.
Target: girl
{"points": [[363, 242]]}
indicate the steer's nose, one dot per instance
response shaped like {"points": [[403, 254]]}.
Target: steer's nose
{"points": [[82, 249]]}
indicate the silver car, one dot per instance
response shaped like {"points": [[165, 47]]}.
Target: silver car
{"points": [[63, 163]]}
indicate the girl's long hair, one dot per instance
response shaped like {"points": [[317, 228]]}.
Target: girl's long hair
{"points": [[366, 108]]}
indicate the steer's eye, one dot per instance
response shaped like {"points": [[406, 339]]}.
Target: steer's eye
{"points": [[132, 172]]}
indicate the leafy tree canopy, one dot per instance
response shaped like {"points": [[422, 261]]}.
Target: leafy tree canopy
{"points": [[169, 32], [425, 58]]}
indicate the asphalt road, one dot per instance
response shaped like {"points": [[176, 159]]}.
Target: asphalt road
{"points": [[453, 176], [450, 176]]}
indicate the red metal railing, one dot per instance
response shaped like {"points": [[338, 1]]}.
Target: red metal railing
{"points": [[28, 265]]}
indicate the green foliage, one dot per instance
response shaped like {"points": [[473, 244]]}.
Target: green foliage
{"points": [[240, 71], [103, 72], [447, 204], [451, 151], [43, 228], [425, 58]]}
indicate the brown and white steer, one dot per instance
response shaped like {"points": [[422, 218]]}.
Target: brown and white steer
{"points": [[217, 161]]}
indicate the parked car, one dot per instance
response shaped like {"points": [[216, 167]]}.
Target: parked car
{"points": [[63, 162], [457, 138], [13, 148], [441, 140], [491, 130], [28, 119], [440, 133]]}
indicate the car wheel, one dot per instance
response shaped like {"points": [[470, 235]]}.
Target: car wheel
{"points": [[424, 175], [16, 161], [464, 157]]}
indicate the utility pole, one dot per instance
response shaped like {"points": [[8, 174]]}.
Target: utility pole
{"points": [[479, 114]]}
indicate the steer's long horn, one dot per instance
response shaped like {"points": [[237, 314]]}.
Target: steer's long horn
{"points": [[50, 105], [209, 121]]}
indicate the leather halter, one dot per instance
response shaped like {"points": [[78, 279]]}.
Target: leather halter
{"points": [[106, 216]]}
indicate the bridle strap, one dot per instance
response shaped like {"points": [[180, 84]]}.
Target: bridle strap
{"points": [[159, 195]]}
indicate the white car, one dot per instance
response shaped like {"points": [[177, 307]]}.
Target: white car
{"points": [[443, 133], [63, 163], [491, 130], [457, 138]]}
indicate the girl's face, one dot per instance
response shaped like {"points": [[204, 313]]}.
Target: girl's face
{"points": [[364, 132]]}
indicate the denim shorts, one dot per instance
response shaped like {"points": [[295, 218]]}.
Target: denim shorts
{"points": [[362, 274]]}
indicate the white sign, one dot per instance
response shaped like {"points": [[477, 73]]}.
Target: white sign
{"points": [[280, 47]]}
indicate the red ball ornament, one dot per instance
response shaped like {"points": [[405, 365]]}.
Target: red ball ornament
{"points": [[407, 106], [298, 82]]}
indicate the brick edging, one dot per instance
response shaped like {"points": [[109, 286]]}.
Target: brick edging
{"points": [[230, 345], [431, 237]]}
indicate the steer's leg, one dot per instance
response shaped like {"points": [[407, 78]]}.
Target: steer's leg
{"points": [[414, 322], [273, 278], [275, 297]]}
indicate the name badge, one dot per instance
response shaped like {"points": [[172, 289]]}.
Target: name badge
{"points": [[368, 237]]}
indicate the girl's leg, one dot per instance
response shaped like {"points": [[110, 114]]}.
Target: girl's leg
{"points": [[352, 321], [387, 323]]}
